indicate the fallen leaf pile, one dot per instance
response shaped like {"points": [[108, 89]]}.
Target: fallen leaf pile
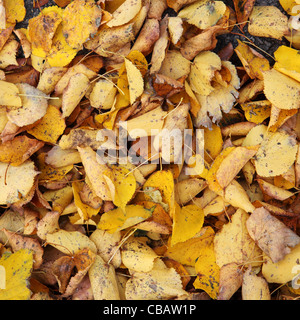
{"points": [[222, 225]]}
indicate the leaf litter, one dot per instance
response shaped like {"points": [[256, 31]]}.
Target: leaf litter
{"points": [[73, 226]]}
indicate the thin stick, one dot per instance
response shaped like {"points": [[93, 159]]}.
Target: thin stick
{"points": [[254, 45], [236, 24], [36, 96], [174, 108], [5, 175], [141, 164], [120, 244], [101, 76]]}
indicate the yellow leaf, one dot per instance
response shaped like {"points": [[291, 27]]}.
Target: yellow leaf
{"points": [[288, 6], [283, 271], [127, 11], [202, 72], [63, 82], [233, 163], [51, 127], [2, 16], [175, 29], [130, 81], [49, 78], [73, 93], [110, 40], [96, 171], [215, 207], [103, 280], [60, 198], [42, 28], [231, 278], [26, 45], [255, 136], [8, 53], [213, 142], [48, 224], [188, 251], [164, 182], [38, 63], [152, 120], [137, 255], [254, 287], [119, 219], [267, 162], [208, 272], [281, 90], [234, 244], [125, 185], [187, 222], [187, 189], [85, 211], [60, 53], [135, 81], [84, 137], [220, 99], [81, 20], [15, 10], [103, 94], [195, 105], [17, 268], [175, 65], [18, 150], [253, 63], [271, 235], [34, 106], [211, 175], [108, 246], [271, 191], [49, 173], [257, 111], [10, 96], [287, 62], [159, 220], [278, 117], [57, 157], [267, 21], [12, 221], [70, 242], [157, 284], [203, 14], [237, 196], [16, 182]]}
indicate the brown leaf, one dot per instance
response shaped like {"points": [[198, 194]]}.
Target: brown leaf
{"points": [[243, 9], [231, 278], [19, 149], [147, 37], [165, 86], [271, 235], [206, 40]]}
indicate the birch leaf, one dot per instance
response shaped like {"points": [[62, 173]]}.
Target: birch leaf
{"points": [[18, 268]]}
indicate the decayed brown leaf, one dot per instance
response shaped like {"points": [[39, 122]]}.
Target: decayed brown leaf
{"points": [[271, 235]]}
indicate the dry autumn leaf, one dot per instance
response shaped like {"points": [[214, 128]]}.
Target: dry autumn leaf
{"points": [[80, 21], [268, 21], [271, 235], [17, 268], [97, 202], [233, 243]]}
